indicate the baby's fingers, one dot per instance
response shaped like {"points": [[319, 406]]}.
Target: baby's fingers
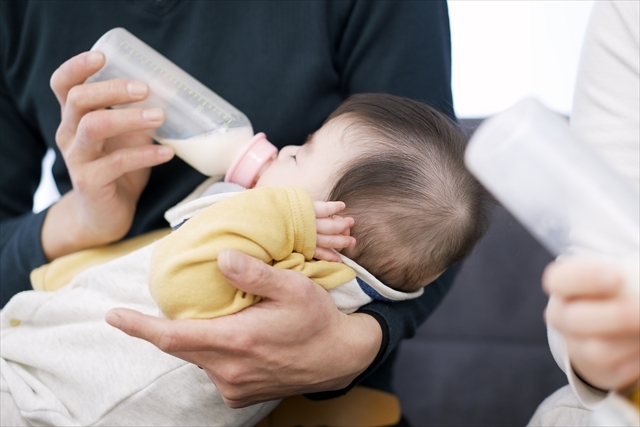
{"points": [[335, 241], [326, 255], [335, 225], [326, 209]]}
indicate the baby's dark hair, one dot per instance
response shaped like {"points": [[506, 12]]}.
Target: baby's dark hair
{"points": [[417, 209]]}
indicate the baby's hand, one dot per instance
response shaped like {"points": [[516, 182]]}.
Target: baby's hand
{"points": [[333, 230]]}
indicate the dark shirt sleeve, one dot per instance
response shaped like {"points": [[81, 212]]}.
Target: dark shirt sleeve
{"points": [[20, 170], [398, 321]]}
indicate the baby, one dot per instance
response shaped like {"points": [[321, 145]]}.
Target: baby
{"points": [[395, 164]]}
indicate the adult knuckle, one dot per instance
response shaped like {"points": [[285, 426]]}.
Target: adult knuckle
{"points": [[76, 96], [117, 160], [257, 272], [167, 342], [233, 402], [243, 345], [92, 124], [81, 180], [233, 375], [54, 81], [115, 88], [87, 128], [62, 137]]}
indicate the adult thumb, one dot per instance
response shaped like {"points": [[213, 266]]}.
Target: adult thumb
{"points": [[254, 276]]}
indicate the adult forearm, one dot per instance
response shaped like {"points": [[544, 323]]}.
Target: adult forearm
{"points": [[21, 252]]}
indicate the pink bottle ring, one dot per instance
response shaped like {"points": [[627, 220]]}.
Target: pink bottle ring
{"points": [[245, 168]]}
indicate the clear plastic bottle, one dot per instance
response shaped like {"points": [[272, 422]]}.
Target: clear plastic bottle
{"points": [[569, 199], [204, 130], [557, 186]]}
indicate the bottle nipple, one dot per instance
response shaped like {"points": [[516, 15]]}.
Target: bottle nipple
{"points": [[245, 168]]}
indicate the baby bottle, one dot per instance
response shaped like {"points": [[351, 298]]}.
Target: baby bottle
{"points": [[204, 130], [554, 184], [567, 197]]}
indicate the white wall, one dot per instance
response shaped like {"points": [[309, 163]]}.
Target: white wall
{"points": [[502, 52], [506, 50]]}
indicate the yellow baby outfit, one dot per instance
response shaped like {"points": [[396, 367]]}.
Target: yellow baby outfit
{"points": [[184, 277]]}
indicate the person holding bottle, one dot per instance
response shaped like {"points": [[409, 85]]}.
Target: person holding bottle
{"points": [[286, 65], [59, 356], [594, 331]]}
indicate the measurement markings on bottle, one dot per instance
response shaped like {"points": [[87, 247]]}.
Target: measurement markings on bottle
{"points": [[156, 70]]}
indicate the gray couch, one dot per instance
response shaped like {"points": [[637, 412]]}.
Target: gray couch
{"points": [[483, 358]]}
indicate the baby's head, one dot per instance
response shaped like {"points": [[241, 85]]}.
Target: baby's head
{"points": [[398, 166]]}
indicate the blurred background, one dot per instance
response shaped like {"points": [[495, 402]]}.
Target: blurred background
{"points": [[483, 358]]}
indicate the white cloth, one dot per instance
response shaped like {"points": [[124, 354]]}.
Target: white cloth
{"points": [[62, 364]]}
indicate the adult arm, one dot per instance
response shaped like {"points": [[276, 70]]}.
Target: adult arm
{"points": [[606, 115], [108, 159], [20, 167]]}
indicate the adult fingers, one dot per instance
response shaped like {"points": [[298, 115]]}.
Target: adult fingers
{"points": [[112, 166], [95, 127], [589, 318], [85, 98], [609, 363], [176, 337], [74, 72], [257, 278], [572, 278]]}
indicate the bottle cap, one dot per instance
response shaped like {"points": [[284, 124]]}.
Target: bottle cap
{"points": [[245, 168]]}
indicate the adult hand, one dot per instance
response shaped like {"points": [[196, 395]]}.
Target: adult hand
{"points": [[601, 328], [295, 341], [107, 153]]}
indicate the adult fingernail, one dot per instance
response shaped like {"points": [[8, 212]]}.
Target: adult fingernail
{"points": [[152, 114], [234, 260], [165, 151], [113, 319], [136, 88], [92, 58]]}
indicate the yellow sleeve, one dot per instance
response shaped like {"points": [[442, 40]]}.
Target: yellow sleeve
{"points": [[275, 225]]}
